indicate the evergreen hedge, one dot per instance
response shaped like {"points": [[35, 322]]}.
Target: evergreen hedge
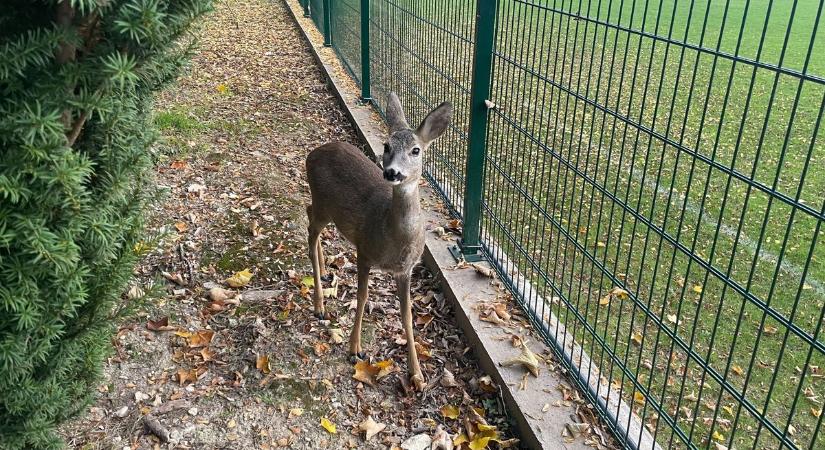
{"points": [[76, 84]]}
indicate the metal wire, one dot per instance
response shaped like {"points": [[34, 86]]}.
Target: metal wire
{"points": [[652, 193]]}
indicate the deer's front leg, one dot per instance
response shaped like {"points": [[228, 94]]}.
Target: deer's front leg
{"points": [[363, 290], [403, 284]]}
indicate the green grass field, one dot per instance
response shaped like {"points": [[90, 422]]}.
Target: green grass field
{"points": [[671, 148]]}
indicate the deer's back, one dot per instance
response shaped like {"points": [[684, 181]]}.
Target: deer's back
{"points": [[347, 188]]}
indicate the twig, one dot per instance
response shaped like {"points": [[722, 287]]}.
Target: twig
{"points": [[152, 424]]}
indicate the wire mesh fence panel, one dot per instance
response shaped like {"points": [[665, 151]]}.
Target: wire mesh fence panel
{"points": [[652, 174], [421, 51], [316, 12], [654, 192], [346, 29]]}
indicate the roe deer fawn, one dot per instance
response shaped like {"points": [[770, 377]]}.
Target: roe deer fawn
{"points": [[379, 213]]}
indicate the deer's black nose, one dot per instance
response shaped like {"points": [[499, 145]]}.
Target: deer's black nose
{"points": [[393, 175]]}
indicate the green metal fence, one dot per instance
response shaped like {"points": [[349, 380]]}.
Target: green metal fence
{"points": [[648, 178]]}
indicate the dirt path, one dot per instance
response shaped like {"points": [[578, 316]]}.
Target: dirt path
{"points": [[257, 370]]}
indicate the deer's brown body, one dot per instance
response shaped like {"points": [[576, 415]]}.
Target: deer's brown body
{"points": [[376, 210]]}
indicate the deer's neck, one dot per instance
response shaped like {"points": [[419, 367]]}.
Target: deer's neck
{"points": [[405, 211]]}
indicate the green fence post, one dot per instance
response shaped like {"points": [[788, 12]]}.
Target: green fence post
{"points": [[327, 20], [366, 96], [470, 244], [306, 8]]}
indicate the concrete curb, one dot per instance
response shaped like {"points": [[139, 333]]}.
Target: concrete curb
{"points": [[540, 410]]}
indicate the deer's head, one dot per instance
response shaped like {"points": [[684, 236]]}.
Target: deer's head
{"points": [[404, 150]]}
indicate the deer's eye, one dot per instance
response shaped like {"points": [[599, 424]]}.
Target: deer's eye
{"points": [[386, 147], [416, 151]]}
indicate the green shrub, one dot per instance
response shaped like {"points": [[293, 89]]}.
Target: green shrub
{"points": [[76, 85]]}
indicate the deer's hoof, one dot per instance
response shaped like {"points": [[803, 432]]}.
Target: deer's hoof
{"points": [[320, 315], [355, 357], [418, 382], [327, 277]]}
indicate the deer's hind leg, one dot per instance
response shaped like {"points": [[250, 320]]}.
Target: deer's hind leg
{"points": [[315, 257], [363, 291]]}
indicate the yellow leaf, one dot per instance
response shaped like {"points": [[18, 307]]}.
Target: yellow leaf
{"points": [[308, 281], [605, 300], [728, 409], [697, 289], [483, 427], [240, 279], [384, 368], [222, 88], [619, 293], [141, 248], [329, 426], [717, 436], [770, 330], [816, 412], [460, 439], [737, 370], [639, 398], [262, 363], [636, 337], [449, 411]]}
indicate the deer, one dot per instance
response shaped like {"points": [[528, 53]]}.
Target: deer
{"points": [[377, 210]]}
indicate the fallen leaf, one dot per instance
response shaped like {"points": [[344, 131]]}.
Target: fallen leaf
{"points": [[816, 412], [321, 348], [418, 442], [308, 281], [461, 438], [384, 368], [181, 226], [717, 436], [441, 440], [178, 164], [207, 354], [262, 363], [161, 324], [639, 398], [185, 376], [239, 279], [365, 372], [329, 426], [636, 337], [672, 318], [791, 429], [448, 379], [697, 289], [201, 338], [336, 335], [450, 411], [371, 427], [295, 412], [222, 88], [737, 370], [769, 330], [526, 359], [605, 300]]}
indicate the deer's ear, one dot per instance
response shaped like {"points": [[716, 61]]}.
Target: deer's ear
{"points": [[395, 114], [435, 123]]}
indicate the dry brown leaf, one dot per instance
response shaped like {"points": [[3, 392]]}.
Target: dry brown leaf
{"points": [[181, 226], [321, 348], [262, 363], [526, 358], [161, 324], [371, 427], [365, 372], [336, 335]]}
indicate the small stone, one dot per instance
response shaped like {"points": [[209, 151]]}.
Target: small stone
{"points": [[193, 411], [122, 411], [140, 396], [231, 423], [179, 292]]}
